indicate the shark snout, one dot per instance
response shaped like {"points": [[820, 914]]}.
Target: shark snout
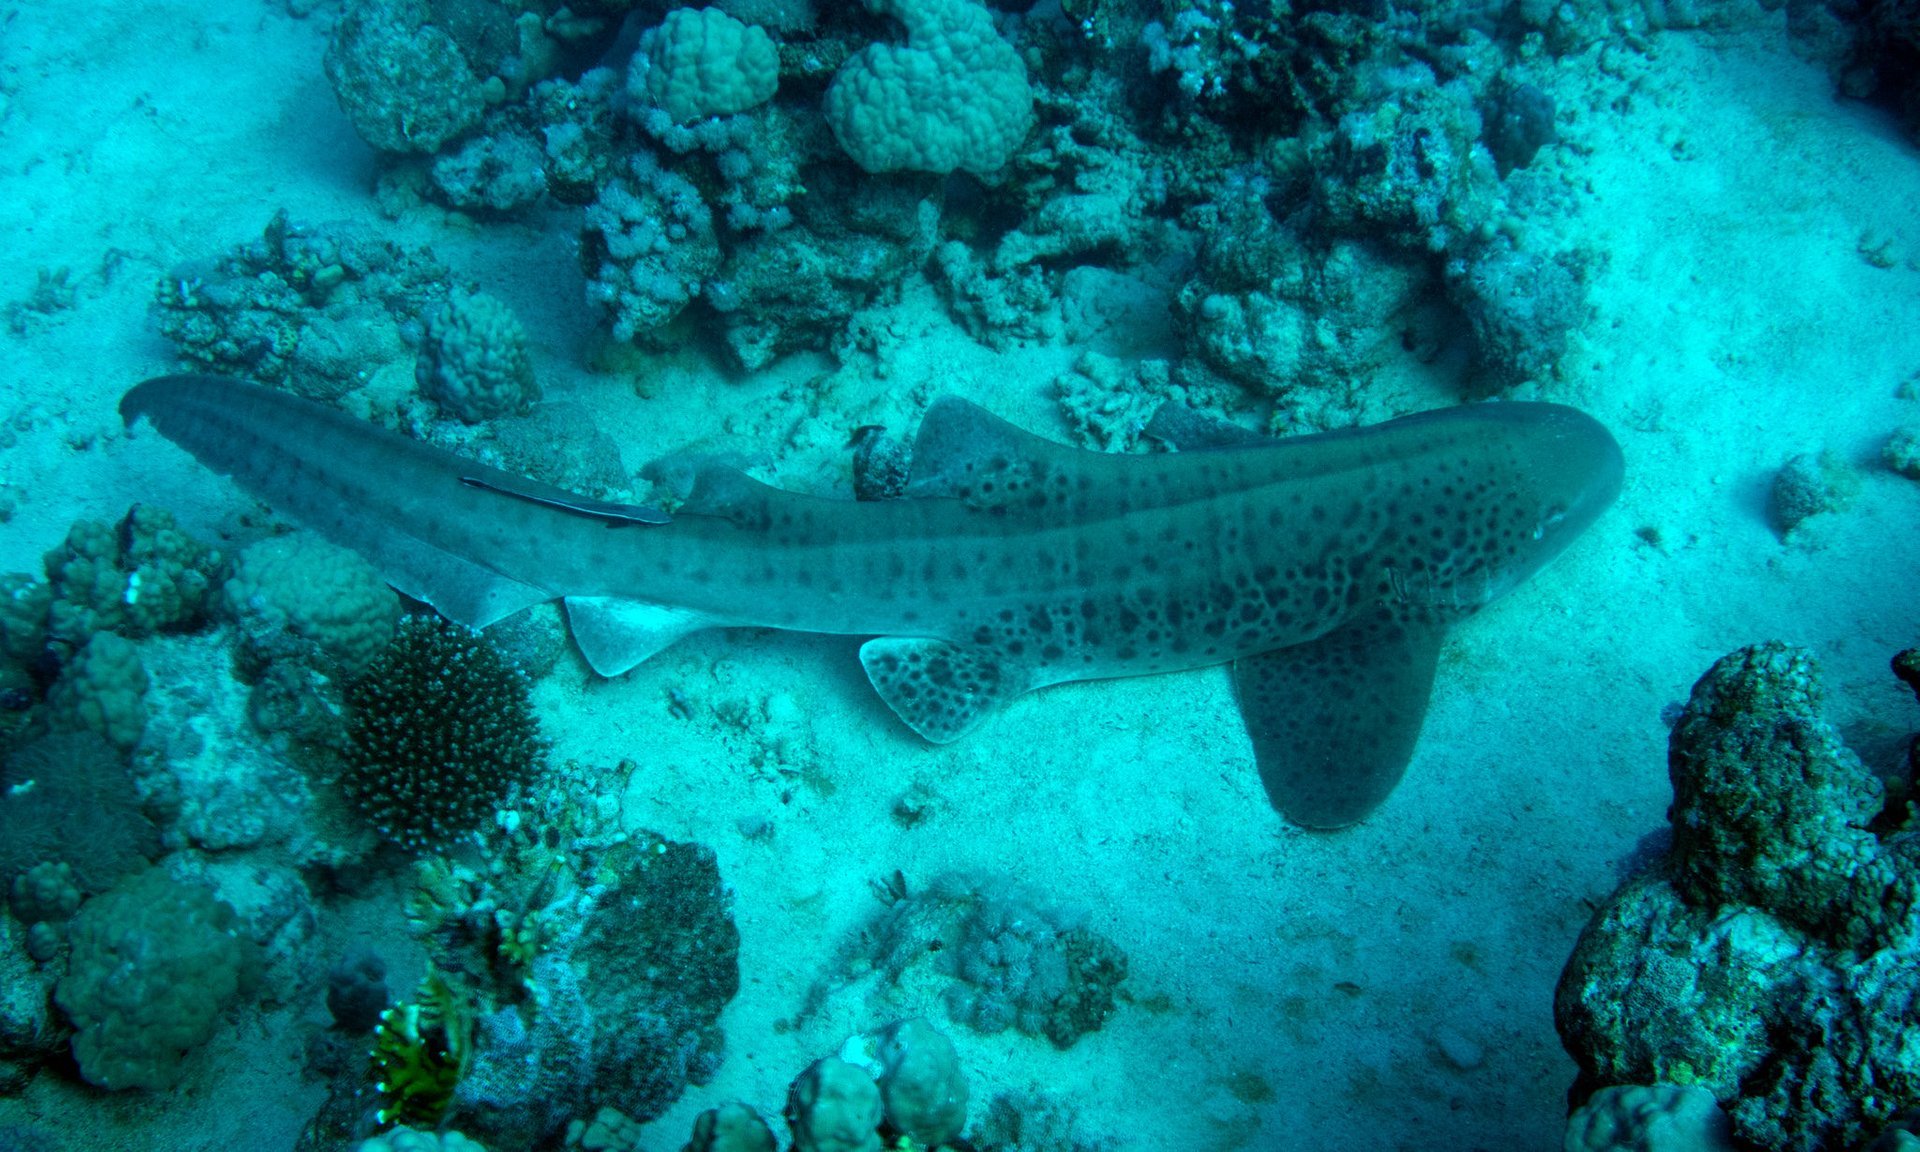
{"points": [[1577, 469]]}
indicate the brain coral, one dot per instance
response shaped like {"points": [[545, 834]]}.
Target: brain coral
{"points": [[702, 62], [154, 963], [441, 727], [473, 359], [955, 95], [303, 585]]}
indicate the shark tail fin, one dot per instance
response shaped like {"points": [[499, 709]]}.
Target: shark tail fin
{"points": [[370, 490]]}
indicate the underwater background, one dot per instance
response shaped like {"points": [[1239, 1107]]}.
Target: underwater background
{"points": [[291, 863]]}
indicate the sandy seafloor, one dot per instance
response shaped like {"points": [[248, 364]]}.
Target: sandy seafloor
{"points": [[1736, 323]]}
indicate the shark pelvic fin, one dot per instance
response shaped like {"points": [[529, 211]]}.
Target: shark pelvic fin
{"points": [[940, 690], [616, 634]]}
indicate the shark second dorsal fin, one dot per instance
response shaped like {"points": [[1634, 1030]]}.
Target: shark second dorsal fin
{"points": [[1334, 721], [964, 452], [1189, 430]]}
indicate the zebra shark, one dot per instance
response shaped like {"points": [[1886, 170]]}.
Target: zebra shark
{"points": [[1326, 569]]}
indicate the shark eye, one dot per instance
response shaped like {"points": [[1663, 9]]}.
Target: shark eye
{"points": [[1552, 516]]}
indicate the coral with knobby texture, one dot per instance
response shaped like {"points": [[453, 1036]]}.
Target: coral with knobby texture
{"points": [[473, 360], [1015, 964], [731, 1128], [1767, 957], [317, 592], [137, 577], [401, 78], [835, 1106], [921, 1085], [316, 310], [648, 247], [1770, 809], [24, 604], [154, 963], [498, 172], [953, 96], [1522, 306], [68, 799], [1650, 1118], [48, 891], [1808, 485], [102, 690], [1406, 163], [440, 729], [1901, 453], [702, 62], [792, 288], [405, 1139]]}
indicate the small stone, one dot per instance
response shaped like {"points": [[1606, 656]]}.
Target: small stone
{"points": [[1902, 451], [1458, 1050]]}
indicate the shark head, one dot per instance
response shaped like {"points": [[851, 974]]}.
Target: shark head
{"points": [[1567, 470]]}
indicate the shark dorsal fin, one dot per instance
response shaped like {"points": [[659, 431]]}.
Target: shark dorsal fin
{"points": [[966, 453], [1189, 430]]}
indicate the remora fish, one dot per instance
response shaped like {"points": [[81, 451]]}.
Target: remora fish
{"points": [[1327, 569]]}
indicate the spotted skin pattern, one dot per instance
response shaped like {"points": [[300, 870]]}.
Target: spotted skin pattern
{"points": [[1326, 569]]}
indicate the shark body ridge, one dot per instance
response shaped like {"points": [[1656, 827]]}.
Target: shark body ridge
{"points": [[1326, 569]]}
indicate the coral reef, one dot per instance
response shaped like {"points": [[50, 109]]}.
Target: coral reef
{"points": [[648, 248], [68, 800], [953, 96], [473, 360], [102, 690], [901, 1086], [154, 962], [576, 968], [298, 597], [701, 62], [1766, 957], [1657, 1118], [314, 310], [405, 1139], [137, 577], [441, 730], [1004, 960], [1807, 485]]}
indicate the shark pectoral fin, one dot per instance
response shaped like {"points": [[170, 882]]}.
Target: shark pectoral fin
{"points": [[615, 634], [940, 690], [1334, 721]]}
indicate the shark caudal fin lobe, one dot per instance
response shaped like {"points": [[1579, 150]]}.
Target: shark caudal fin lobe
{"points": [[940, 690], [1334, 721], [415, 512]]}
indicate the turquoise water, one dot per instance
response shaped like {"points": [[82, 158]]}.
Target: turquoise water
{"points": [[241, 818]]}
